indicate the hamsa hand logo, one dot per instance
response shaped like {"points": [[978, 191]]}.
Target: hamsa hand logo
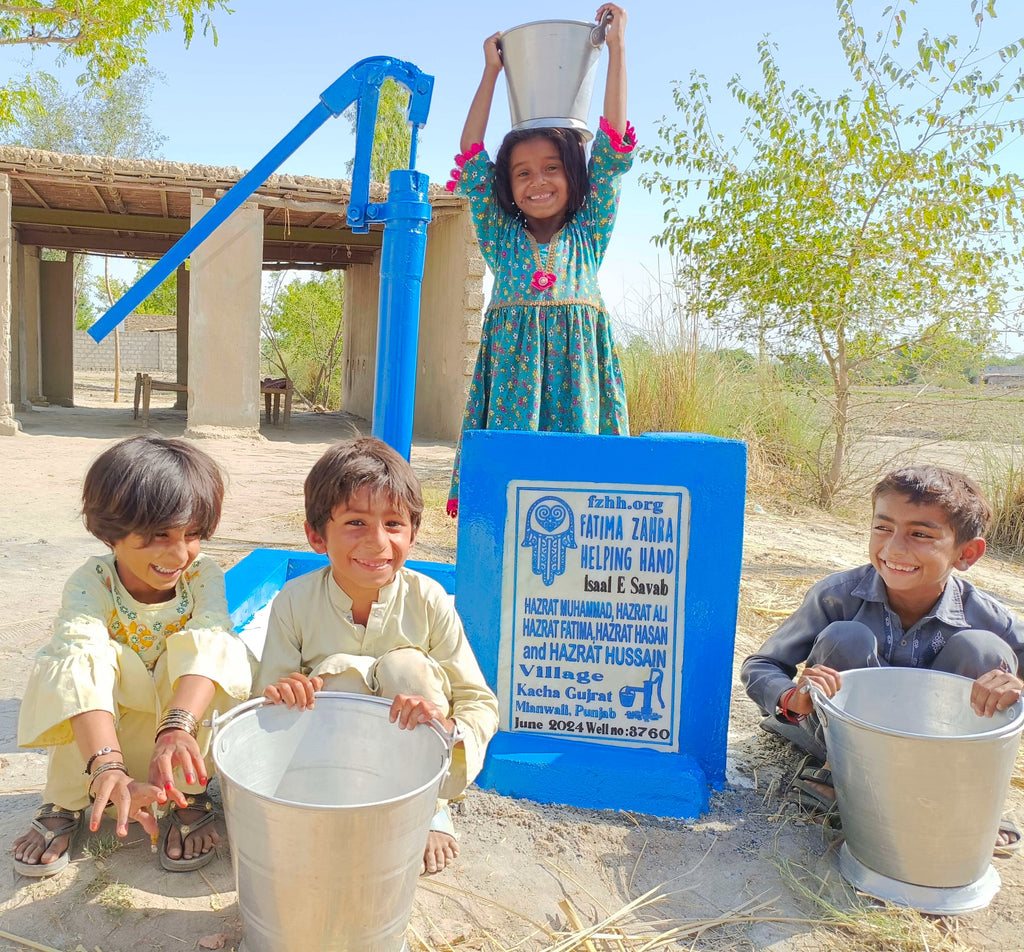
{"points": [[549, 531]]}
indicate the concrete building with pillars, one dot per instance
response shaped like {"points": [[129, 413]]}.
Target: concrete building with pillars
{"points": [[139, 208]]}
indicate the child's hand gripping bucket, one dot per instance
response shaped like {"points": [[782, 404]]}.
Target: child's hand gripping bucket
{"points": [[549, 71], [328, 812]]}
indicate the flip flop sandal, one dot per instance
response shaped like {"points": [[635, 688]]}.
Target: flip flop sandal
{"points": [[814, 804], [183, 865], [1006, 825], [71, 828]]}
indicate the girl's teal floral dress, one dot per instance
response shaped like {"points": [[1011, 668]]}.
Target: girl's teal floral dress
{"points": [[547, 360]]}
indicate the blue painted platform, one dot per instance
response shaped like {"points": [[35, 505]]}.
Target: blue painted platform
{"points": [[654, 740]]}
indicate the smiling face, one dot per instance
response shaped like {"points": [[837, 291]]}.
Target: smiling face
{"points": [[149, 570], [539, 184], [367, 541], [914, 549]]}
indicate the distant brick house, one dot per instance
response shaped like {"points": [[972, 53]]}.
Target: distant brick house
{"points": [[148, 342], [1009, 375]]}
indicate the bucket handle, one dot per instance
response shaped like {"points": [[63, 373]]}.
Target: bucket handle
{"points": [[820, 702], [597, 34], [218, 720]]}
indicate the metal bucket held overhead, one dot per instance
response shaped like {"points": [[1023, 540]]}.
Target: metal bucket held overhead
{"points": [[920, 779], [328, 812], [549, 72]]}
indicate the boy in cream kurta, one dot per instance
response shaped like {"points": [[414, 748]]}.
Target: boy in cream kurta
{"points": [[365, 624]]}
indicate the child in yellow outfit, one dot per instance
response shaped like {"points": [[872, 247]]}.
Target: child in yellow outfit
{"points": [[365, 624], [142, 651]]}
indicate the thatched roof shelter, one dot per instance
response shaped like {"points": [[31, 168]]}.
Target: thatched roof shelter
{"points": [[140, 207]]}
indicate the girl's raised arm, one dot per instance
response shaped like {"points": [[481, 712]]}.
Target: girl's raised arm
{"points": [[480, 108], [615, 85]]}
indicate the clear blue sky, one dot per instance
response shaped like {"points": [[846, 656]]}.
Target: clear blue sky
{"points": [[226, 105]]}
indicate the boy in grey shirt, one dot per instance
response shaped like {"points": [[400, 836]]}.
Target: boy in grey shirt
{"points": [[905, 608]]}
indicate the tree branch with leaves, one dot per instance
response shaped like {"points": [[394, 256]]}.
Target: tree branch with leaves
{"points": [[853, 226], [106, 38]]}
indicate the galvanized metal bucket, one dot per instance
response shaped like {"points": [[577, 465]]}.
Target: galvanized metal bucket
{"points": [[328, 812], [920, 778], [549, 71]]}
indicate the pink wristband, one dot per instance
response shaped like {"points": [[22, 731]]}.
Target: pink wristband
{"points": [[619, 143], [460, 160]]}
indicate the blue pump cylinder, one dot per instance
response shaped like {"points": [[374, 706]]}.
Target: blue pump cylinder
{"points": [[407, 213]]}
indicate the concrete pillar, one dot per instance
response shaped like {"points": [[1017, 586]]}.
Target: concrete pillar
{"points": [[57, 325], [450, 310], [359, 357], [224, 325], [8, 425], [30, 327], [19, 395], [181, 328]]}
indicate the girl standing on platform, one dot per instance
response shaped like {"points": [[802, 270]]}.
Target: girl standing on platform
{"points": [[543, 218], [143, 649]]}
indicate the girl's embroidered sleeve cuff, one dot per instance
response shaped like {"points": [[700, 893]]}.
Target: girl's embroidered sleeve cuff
{"points": [[620, 143], [460, 160]]}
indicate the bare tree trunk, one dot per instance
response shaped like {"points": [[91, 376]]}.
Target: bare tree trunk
{"points": [[117, 365], [841, 384], [117, 333]]}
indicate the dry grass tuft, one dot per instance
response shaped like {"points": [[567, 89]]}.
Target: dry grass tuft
{"points": [[1005, 491], [868, 926], [101, 845], [634, 927]]}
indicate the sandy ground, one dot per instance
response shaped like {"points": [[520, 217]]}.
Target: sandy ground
{"points": [[736, 878]]}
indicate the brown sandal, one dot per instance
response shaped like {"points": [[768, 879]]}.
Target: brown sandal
{"points": [[70, 829], [181, 864]]}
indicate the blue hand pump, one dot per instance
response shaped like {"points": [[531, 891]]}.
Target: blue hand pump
{"points": [[404, 215]]}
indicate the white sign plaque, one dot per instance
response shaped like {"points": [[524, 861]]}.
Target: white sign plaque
{"points": [[592, 611]]}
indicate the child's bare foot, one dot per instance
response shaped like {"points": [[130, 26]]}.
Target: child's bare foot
{"points": [[1007, 837], [189, 838], [440, 853], [44, 849]]}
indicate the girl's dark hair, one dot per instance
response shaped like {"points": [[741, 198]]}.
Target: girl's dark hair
{"points": [[145, 485], [571, 151], [348, 467], [959, 496]]}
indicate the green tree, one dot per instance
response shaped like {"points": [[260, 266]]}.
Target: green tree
{"points": [[302, 334], [392, 134], [106, 38], [91, 120], [163, 300], [858, 226]]}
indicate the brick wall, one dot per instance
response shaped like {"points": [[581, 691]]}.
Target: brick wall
{"points": [[153, 352]]}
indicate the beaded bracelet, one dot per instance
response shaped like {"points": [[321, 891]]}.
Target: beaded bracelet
{"points": [[178, 719], [102, 752], [113, 765]]}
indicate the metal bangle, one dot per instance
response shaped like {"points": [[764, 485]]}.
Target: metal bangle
{"points": [[113, 765], [102, 752], [178, 718]]}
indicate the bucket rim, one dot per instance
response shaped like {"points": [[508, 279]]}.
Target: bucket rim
{"points": [[1007, 729], [590, 25], [220, 723], [558, 122]]}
